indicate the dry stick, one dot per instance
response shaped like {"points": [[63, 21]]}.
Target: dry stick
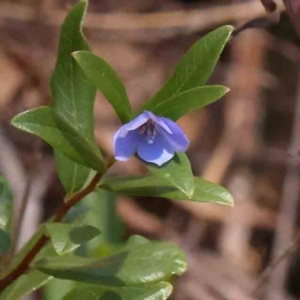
{"points": [[192, 20], [20, 219], [65, 207], [271, 268], [288, 212]]}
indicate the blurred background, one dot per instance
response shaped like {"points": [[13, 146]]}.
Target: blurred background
{"points": [[249, 141]]}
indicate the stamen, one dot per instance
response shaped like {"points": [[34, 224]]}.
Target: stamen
{"points": [[148, 129]]}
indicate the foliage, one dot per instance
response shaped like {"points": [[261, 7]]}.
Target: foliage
{"points": [[140, 269]]}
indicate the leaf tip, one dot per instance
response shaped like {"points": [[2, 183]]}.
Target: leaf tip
{"points": [[227, 90], [229, 28], [74, 54], [229, 200]]}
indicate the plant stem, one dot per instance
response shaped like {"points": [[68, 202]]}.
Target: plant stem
{"points": [[65, 207]]}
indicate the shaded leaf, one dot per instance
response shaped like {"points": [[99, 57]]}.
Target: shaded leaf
{"points": [[67, 237], [89, 152], [159, 291], [5, 216], [177, 172], [24, 250], [33, 279], [107, 81], [73, 176], [195, 67], [154, 186], [190, 100], [25, 285], [127, 267]]}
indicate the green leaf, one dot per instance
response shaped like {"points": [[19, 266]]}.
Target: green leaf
{"points": [[73, 176], [29, 282], [40, 121], [5, 216], [190, 100], [177, 172], [144, 263], [90, 152], [159, 291], [72, 95], [154, 186], [33, 279], [136, 240], [105, 79], [195, 67], [67, 237], [25, 285], [25, 249]]}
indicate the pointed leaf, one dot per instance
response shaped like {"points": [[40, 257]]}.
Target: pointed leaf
{"points": [[72, 95], [105, 79], [195, 67], [155, 186], [157, 291], [67, 237], [177, 172], [5, 216], [190, 100], [40, 121], [144, 263]]}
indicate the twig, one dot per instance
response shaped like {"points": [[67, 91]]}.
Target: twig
{"points": [[271, 268], [65, 207], [190, 21], [288, 209], [19, 221], [293, 10], [269, 5]]}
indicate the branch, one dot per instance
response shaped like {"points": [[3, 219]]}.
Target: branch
{"points": [[170, 23], [65, 207]]}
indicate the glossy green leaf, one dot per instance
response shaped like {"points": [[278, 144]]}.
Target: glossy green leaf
{"points": [[177, 172], [154, 186], [105, 79], [190, 100], [195, 67], [67, 237], [40, 121], [159, 291], [33, 279], [144, 263], [5, 216], [72, 94]]}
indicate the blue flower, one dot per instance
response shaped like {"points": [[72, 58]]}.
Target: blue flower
{"points": [[155, 139]]}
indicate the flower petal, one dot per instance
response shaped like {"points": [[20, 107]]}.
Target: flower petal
{"points": [[138, 121], [158, 152], [177, 138], [125, 145]]}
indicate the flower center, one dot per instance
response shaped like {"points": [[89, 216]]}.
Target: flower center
{"points": [[148, 130]]}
